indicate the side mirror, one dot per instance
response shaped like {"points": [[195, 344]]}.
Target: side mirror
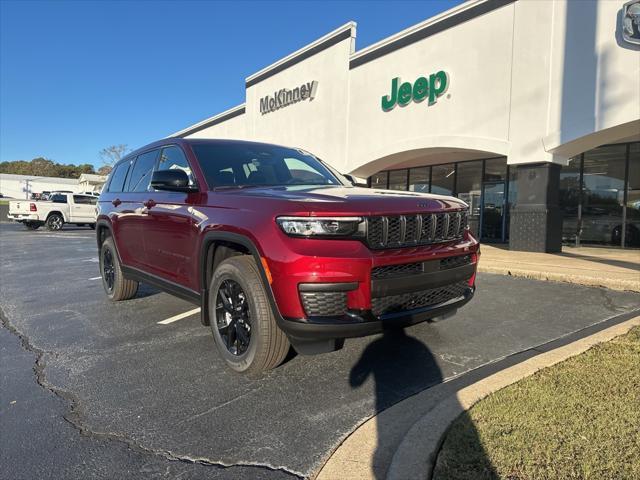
{"points": [[171, 180], [350, 178], [353, 181]]}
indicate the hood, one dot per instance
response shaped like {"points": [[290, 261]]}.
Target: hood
{"points": [[344, 200]]}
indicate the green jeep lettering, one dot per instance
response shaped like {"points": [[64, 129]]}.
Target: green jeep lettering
{"points": [[402, 94]]}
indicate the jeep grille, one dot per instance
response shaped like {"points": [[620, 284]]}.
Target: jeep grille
{"points": [[410, 230]]}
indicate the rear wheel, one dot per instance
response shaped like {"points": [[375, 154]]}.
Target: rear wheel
{"points": [[244, 327], [55, 222], [32, 225], [115, 285]]}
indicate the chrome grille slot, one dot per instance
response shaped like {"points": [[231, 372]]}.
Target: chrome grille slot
{"points": [[394, 237], [396, 231]]}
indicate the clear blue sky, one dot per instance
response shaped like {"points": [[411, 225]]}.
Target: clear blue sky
{"points": [[77, 76]]}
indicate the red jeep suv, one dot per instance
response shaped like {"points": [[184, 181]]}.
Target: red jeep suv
{"points": [[279, 249]]}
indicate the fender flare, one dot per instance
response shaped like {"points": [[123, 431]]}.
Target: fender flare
{"points": [[101, 222], [205, 258], [59, 212]]}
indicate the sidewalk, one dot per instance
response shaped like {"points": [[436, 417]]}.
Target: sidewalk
{"points": [[601, 267], [402, 442]]}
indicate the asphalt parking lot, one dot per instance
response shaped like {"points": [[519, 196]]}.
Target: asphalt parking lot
{"points": [[93, 388]]}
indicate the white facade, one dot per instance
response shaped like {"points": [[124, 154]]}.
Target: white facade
{"points": [[532, 80]]}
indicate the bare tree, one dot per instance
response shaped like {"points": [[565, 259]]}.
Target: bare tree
{"points": [[112, 154], [105, 170]]}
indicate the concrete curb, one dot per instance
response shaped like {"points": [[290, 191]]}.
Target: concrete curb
{"points": [[415, 427], [417, 453], [612, 283]]}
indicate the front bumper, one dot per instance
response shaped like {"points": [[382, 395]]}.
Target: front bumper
{"points": [[363, 323], [322, 295]]}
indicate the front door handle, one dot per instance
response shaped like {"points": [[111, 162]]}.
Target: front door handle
{"points": [[116, 202], [149, 203]]}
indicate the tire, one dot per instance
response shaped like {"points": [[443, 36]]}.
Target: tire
{"points": [[267, 345], [631, 236], [115, 285], [54, 222], [32, 225]]}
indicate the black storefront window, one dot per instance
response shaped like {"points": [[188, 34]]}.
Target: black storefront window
{"points": [[379, 180], [495, 169], [632, 200], [570, 198], [419, 179], [398, 180], [469, 189], [512, 195], [603, 194], [599, 193], [443, 179]]}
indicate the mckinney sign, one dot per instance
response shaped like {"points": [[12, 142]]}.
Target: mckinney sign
{"points": [[403, 93], [285, 97]]}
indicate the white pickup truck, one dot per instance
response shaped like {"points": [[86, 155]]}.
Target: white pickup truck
{"points": [[61, 208]]}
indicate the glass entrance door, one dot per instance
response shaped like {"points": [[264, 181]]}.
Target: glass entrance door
{"points": [[493, 212]]}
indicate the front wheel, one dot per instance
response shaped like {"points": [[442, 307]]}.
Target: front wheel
{"points": [[55, 222], [244, 327], [115, 285]]}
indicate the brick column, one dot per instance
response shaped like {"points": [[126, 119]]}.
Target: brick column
{"points": [[536, 219]]}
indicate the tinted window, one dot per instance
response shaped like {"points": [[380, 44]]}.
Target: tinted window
{"points": [[57, 198], [140, 178], [398, 180], [442, 177], [419, 179], [118, 176], [172, 158], [84, 199], [256, 164], [379, 180]]}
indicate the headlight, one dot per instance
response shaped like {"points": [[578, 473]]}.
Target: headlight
{"points": [[322, 226]]}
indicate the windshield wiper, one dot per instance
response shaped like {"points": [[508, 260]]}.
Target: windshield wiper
{"points": [[239, 187]]}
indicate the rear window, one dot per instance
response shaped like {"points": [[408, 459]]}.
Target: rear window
{"points": [[58, 198], [118, 177], [84, 199]]}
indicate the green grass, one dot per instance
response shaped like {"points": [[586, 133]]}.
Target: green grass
{"points": [[579, 419], [4, 202]]}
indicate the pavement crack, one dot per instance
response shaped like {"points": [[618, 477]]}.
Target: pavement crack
{"points": [[216, 407], [608, 301], [76, 413]]}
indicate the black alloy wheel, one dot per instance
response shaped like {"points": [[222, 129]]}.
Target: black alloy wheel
{"points": [[108, 270], [233, 317]]}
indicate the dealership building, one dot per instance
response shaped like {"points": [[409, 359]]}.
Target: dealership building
{"points": [[529, 110]]}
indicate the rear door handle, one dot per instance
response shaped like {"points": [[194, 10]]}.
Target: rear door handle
{"points": [[116, 202], [149, 203]]}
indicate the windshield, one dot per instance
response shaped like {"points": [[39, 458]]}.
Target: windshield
{"points": [[243, 165]]}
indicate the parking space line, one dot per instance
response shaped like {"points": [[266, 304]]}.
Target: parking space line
{"points": [[180, 316], [95, 278]]}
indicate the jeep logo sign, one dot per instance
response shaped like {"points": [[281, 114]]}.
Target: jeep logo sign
{"points": [[631, 22], [401, 94], [285, 97]]}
